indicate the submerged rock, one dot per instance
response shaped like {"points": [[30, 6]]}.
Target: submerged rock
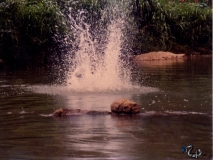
{"points": [[125, 106], [121, 106], [68, 112]]}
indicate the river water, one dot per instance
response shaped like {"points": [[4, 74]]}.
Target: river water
{"points": [[176, 105]]}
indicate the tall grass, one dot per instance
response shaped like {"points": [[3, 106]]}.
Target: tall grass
{"points": [[161, 25], [28, 27], [27, 30], [190, 25]]}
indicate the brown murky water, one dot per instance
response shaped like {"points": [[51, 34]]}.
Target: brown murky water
{"points": [[176, 103]]}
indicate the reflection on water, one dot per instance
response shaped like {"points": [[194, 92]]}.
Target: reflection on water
{"points": [[176, 111]]}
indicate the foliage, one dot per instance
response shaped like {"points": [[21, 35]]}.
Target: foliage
{"points": [[90, 8], [84, 17], [189, 24], [161, 25], [27, 29], [31, 29]]}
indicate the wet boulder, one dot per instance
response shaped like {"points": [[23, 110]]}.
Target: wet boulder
{"points": [[125, 106]]}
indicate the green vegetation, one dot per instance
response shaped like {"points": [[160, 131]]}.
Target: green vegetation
{"points": [[31, 30], [166, 25], [91, 8], [28, 28]]}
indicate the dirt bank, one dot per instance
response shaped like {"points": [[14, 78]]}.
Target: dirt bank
{"points": [[160, 55]]}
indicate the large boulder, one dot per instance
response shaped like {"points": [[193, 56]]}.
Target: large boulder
{"points": [[125, 106]]}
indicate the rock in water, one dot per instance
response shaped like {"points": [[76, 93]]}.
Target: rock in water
{"points": [[65, 112], [125, 106], [121, 106], [69, 112]]}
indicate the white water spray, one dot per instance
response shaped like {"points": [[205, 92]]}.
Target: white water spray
{"points": [[100, 72], [95, 64], [95, 71]]}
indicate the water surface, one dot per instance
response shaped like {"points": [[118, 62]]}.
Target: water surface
{"points": [[176, 104]]}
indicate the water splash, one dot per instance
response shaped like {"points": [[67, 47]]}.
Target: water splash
{"points": [[94, 60], [100, 71], [94, 70]]}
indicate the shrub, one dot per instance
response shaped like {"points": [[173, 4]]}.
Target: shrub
{"points": [[27, 30], [161, 25]]}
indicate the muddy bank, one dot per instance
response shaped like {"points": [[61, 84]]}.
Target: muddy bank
{"points": [[161, 59], [160, 55]]}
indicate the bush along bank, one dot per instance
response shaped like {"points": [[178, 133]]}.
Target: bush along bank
{"points": [[31, 30], [172, 26], [27, 30]]}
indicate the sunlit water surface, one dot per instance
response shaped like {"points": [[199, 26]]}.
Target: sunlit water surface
{"points": [[176, 105]]}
